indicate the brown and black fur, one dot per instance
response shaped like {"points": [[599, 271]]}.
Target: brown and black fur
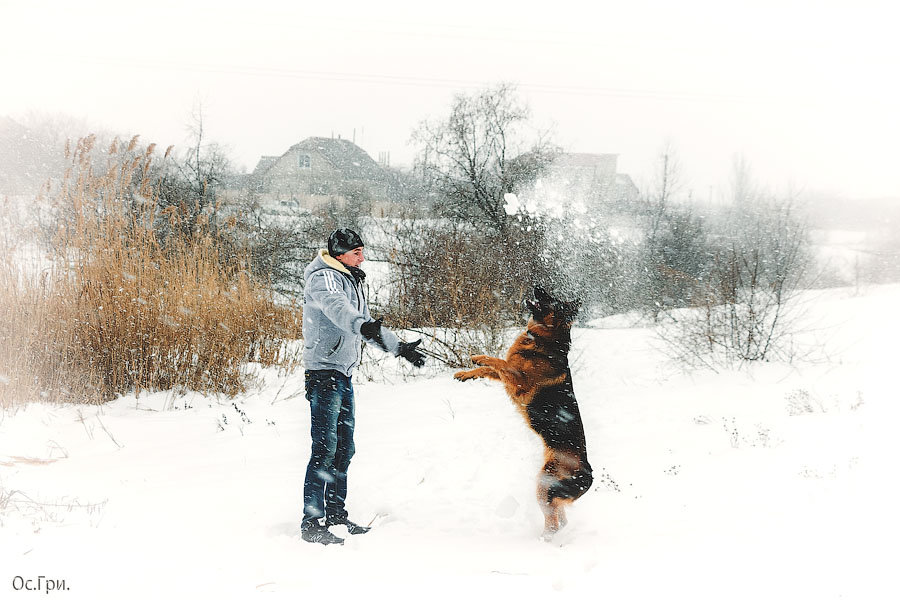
{"points": [[538, 380]]}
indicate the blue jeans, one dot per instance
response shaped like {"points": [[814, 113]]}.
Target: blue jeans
{"points": [[331, 404]]}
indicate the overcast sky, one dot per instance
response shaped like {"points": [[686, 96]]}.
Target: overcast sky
{"points": [[807, 92]]}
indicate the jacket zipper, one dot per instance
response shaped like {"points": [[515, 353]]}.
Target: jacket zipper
{"points": [[358, 292]]}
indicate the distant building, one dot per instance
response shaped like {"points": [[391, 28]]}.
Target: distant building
{"points": [[592, 178], [626, 190], [320, 171]]}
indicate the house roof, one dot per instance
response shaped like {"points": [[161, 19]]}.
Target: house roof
{"points": [[584, 160], [345, 156], [625, 179], [264, 164]]}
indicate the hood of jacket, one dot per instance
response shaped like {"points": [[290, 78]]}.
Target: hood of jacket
{"points": [[323, 260]]}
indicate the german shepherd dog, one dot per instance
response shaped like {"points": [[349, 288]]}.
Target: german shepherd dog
{"points": [[538, 380]]}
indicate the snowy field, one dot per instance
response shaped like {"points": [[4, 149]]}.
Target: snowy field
{"points": [[775, 481]]}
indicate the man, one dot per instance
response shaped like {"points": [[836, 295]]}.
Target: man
{"points": [[336, 320]]}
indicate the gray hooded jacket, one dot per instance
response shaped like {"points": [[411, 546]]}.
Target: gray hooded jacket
{"points": [[334, 308]]}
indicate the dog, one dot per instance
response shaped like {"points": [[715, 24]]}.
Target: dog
{"points": [[537, 378]]}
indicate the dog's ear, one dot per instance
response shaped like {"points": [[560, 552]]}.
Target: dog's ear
{"points": [[541, 295]]}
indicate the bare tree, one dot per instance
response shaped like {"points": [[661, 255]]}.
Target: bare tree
{"points": [[191, 184], [479, 153], [667, 187], [743, 189], [675, 248], [468, 163]]}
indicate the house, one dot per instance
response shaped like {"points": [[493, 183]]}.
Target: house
{"points": [[321, 171], [592, 178], [626, 190]]}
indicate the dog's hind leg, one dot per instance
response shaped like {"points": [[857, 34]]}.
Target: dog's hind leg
{"points": [[487, 372], [564, 478], [547, 480], [554, 516]]}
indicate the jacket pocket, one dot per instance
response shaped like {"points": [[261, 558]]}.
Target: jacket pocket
{"points": [[335, 348]]}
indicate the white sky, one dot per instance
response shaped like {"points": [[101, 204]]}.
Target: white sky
{"points": [[807, 92]]}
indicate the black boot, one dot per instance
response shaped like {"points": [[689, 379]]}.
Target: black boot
{"points": [[352, 528], [315, 532]]}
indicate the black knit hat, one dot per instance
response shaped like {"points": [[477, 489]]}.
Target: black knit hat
{"points": [[343, 240]]}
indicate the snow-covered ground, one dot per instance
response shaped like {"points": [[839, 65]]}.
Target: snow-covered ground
{"points": [[775, 481]]}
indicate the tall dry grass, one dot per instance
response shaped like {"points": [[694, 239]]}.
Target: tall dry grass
{"points": [[117, 308]]}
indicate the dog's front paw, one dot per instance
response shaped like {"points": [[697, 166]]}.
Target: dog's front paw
{"points": [[479, 359], [463, 375]]}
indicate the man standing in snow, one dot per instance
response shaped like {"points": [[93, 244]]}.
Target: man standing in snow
{"points": [[336, 320]]}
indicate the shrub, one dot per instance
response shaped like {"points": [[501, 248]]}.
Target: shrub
{"points": [[747, 311], [462, 285]]}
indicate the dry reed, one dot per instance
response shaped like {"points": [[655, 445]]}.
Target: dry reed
{"points": [[118, 309]]}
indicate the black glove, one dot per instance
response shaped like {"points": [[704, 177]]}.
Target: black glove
{"points": [[408, 351], [371, 330]]}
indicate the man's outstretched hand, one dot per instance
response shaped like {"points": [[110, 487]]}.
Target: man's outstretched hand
{"points": [[409, 352]]}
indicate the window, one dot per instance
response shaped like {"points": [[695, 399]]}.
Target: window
{"points": [[303, 161]]}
